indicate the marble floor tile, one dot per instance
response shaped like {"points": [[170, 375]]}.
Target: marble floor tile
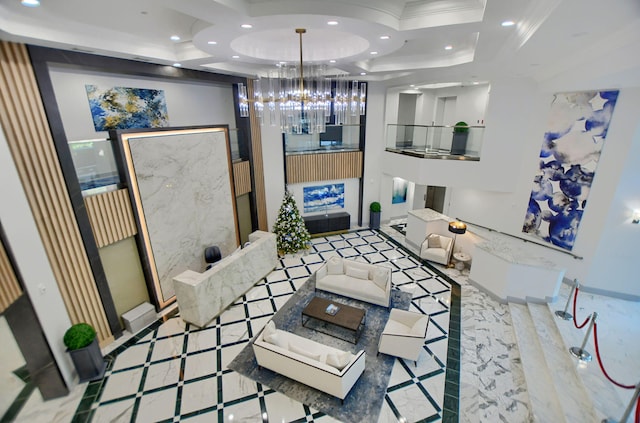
{"points": [[199, 395]]}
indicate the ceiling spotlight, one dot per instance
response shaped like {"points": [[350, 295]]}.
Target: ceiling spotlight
{"points": [[363, 73], [448, 47], [475, 83], [332, 23], [30, 3], [412, 85], [373, 53], [332, 61], [235, 57], [508, 23], [175, 38], [384, 37], [177, 65], [213, 43], [246, 26]]}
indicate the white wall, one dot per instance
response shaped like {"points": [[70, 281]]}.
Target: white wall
{"points": [[188, 103], [32, 262], [374, 151]]}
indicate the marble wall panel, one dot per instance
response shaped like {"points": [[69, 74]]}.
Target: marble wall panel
{"points": [[185, 194]]}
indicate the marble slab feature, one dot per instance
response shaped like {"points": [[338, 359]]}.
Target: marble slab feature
{"points": [[202, 296], [184, 188]]}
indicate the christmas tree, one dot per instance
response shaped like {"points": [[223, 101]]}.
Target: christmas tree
{"points": [[291, 233]]}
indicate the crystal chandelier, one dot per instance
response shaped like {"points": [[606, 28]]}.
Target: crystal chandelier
{"points": [[300, 98]]}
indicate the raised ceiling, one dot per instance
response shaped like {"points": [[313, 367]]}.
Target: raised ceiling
{"points": [[548, 37]]}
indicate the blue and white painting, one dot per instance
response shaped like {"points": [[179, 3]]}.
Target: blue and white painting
{"points": [[399, 194], [125, 108], [323, 197], [569, 156]]}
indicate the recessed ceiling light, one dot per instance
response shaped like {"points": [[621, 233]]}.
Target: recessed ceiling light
{"points": [[475, 82], [177, 65], [332, 23], [373, 53], [508, 23], [175, 38], [363, 73], [213, 43], [283, 63], [412, 85], [246, 26], [448, 47], [384, 37], [30, 3], [332, 61], [235, 57]]}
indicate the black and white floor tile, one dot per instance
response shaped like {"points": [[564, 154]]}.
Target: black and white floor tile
{"points": [[177, 372]]}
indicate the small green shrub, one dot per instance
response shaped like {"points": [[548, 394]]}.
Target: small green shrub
{"points": [[79, 336], [375, 207], [461, 127]]}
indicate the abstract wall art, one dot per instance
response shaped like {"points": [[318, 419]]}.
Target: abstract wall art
{"points": [[323, 197], [125, 108], [569, 156], [399, 194]]}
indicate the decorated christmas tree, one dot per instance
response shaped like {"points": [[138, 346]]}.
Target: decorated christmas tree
{"points": [[291, 233]]}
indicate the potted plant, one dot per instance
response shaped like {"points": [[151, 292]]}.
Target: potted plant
{"points": [[82, 344], [374, 215], [460, 135]]}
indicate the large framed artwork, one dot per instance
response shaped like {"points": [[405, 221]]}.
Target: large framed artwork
{"points": [[399, 194], [323, 197], [125, 108], [569, 156]]}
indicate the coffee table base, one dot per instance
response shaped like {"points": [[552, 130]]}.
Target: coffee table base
{"points": [[325, 327]]}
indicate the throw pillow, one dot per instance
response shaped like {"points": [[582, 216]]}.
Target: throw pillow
{"points": [[434, 241], [417, 328], [339, 360], [380, 277], [335, 266], [269, 329], [357, 273], [302, 351]]}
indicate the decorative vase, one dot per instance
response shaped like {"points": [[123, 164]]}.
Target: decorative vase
{"points": [[89, 362]]}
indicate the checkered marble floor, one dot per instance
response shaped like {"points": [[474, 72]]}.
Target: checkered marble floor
{"points": [[174, 372]]}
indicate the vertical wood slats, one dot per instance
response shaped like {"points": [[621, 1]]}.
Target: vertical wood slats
{"points": [[258, 165], [242, 178], [324, 166], [9, 287], [29, 138], [111, 217]]}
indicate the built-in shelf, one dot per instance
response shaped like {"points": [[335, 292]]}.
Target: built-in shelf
{"points": [[332, 222]]}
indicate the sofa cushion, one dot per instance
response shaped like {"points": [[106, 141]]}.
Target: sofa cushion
{"points": [[305, 352], [434, 241], [277, 339], [380, 277], [339, 360], [335, 266], [269, 329], [418, 327], [356, 273]]}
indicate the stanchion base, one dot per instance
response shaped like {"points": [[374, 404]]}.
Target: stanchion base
{"points": [[580, 353], [564, 315], [608, 420]]}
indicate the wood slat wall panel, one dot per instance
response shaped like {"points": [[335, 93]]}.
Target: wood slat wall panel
{"points": [[111, 217], [258, 166], [29, 138], [9, 287], [242, 178], [324, 167]]}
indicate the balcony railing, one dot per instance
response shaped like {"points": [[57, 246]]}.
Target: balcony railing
{"points": [[435, 141]]}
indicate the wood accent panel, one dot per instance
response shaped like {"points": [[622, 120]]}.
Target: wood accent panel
{"points": [[258, 165], [324, 166], [111, 217], [242, 177], [9, 287], [29, 139]]}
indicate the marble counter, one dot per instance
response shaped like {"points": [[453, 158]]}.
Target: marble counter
{"points": [[422, 222]]}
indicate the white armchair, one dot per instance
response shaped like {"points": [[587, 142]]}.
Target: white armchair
{"points": [[437, 248], [404, 334]]}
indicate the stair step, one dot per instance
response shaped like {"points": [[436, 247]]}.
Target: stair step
{"points": [[542, 393], [574, 400]]}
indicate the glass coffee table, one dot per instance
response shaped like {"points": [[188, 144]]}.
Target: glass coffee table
{"points": [[333, 318]]}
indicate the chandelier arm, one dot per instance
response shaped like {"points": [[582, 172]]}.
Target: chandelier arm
{"points": [[301, 31]]}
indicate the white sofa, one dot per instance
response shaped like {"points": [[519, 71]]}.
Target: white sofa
{"points": [[437, 248], [361, 281], [316, 365]]}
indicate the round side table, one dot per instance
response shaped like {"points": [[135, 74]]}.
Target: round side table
{"points": [[461, 260]]}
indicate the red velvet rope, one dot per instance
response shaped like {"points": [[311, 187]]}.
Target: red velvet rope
{"points": [[575, 299], [595, 338], [638, 411]]}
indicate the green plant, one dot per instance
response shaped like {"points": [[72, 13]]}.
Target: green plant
{"points": [[461, 127], [375, 207], [79, 336]]}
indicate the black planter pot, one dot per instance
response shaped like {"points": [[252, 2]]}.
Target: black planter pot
{"points": [[374, 220], [89, 362], [459, 143]]}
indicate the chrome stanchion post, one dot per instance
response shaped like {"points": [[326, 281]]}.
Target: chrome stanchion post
{"points": [[565, 314], [627, 412], [581, 353]]}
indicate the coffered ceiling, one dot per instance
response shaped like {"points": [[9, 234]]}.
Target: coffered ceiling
{"points": [[397, 41]]}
